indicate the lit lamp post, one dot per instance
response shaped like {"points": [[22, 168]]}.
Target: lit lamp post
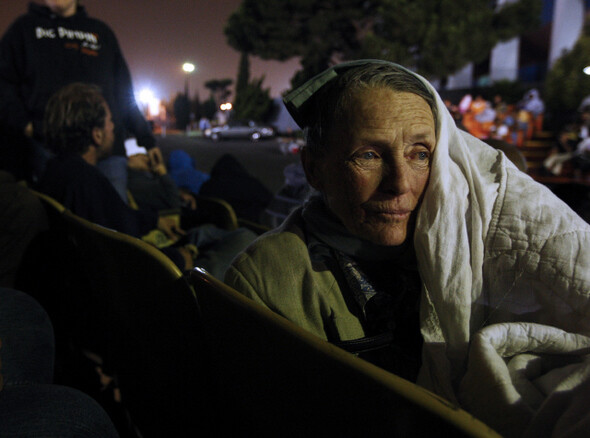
{"points": [[188, 69]]}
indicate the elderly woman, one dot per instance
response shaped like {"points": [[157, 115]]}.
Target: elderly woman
{"points": [[426, 248]]}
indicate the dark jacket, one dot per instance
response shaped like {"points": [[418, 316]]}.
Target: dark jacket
{"points": [[84, 190], [42, 52]]}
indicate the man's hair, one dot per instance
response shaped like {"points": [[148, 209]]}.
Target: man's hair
{"points": [[70, 116], [332, 102]]}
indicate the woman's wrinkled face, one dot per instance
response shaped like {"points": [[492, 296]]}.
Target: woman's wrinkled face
{"points": [[377, 165]]}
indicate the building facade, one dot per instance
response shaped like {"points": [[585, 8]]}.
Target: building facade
{"points": [[527, 58]]}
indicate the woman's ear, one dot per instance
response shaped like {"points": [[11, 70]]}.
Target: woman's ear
{"points": [[312, 166]]}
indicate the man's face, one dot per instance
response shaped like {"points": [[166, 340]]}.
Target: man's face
{"points": [[65, 8], [104, 146], [377, 164]]}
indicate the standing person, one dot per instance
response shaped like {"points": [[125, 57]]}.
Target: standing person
{"points": [[49, 47]]}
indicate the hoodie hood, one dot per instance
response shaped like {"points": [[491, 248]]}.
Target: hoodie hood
{"points": [[179, 160]]}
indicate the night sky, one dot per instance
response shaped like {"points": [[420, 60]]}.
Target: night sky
{"points": [[157, 36]]}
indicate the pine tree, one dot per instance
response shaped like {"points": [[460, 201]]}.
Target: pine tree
{"points": [[252, 102], [433, 37], [219, 89], [181, 106]]}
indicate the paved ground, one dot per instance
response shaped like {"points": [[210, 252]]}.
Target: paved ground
{"points": [[262, 159]]}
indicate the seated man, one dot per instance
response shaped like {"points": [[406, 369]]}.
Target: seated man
{"points": [[79, 130], [431, 249]]}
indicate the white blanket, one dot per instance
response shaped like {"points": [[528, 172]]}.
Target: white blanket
{"points": [[526, 379], [495, 248]]}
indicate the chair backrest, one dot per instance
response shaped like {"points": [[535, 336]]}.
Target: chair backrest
{"points": [[280, 380], [215, 211], [131, 305], [48, 273], [151, 326]]}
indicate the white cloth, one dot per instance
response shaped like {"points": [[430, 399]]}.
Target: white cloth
{"points": [[493, 246], [132, 148], [520, 367]]}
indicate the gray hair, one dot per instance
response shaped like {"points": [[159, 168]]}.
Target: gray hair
{"points": [[331, 102]]}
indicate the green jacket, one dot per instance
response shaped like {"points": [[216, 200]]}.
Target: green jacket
{"points": [[277, 272]]}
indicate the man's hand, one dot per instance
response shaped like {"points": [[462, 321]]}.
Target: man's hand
{"points": [[139, 162], [169, 225], [188, 199]]}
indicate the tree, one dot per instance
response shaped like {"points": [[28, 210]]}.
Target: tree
{"points": [[252, 102], [218, 88], [243, 73], [196, 107], [209, 108], [181, 106], [566, 84], [433, 37]]}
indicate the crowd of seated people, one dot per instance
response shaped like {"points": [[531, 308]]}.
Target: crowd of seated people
{"points": [[570, 154], [71, 177], [496, 119], [79, 131]]}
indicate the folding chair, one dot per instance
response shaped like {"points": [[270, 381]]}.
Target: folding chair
{"points": [[215, 211], [280, 380]]}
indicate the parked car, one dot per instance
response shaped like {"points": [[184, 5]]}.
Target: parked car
{"points": [[235, 129]]}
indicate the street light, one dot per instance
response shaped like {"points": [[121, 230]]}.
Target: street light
{"points": [[587, 70], [188, 68]]}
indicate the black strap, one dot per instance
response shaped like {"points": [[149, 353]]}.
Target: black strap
{"points": [[368, 343]]}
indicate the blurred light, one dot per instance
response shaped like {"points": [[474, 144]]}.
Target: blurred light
{"points": [[225, 106], [587, 70], [149, 101], [154, 107], [188, 67], [146, 95]]}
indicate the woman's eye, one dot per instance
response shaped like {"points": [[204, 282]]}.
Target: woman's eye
{"points": [[420, 155], [423, 156], [368, 155]]}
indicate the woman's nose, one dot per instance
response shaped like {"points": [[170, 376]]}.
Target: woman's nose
{"points": [[395, 178]]}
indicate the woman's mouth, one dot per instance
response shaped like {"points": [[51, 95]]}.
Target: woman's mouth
{"points": [[392, 214]]}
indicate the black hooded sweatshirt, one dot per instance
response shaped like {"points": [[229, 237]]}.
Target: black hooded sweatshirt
{"points": [[42, 52]]}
